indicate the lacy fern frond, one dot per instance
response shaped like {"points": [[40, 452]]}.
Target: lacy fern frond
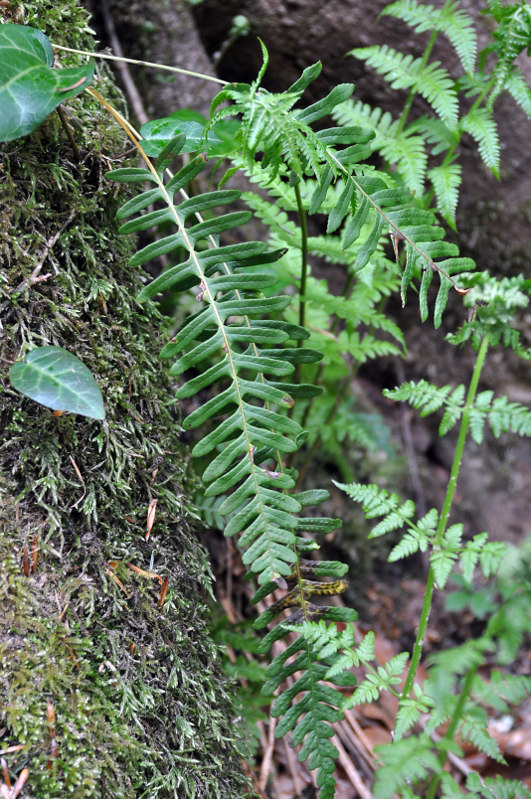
{"points": [[427, 398], [454, 23], [480, 124], [519, 90], [404, 762], [512, 37], [379, 502], [446, 180], [496, 787], [401, 71]]}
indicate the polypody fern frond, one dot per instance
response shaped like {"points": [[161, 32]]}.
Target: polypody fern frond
{"points": [[247, 361]]}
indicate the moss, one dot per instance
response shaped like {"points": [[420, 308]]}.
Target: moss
{"points": [[141, 706]]}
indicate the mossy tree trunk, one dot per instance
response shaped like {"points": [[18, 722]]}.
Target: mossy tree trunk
{"points": [[141, 706]]}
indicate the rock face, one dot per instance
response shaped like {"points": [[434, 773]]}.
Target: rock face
{"points": [[299, 32], [110, 688]]}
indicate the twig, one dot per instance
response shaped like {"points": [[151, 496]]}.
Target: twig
{"points": [[80, 476], [34, 277], [351, 771], [265, 767], [68, 130], [143, 64], [364, 745], [129, 84]]}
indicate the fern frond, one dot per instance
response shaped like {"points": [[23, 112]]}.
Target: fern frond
{"points": [[446, 180], [480, 124], [403, 149], [501, 691], [454, 23], [409, 711], [474, 729], [519, 90], [366, 202], [309, 705], [379, 680], [379, 502], [251, 432], [403, 762], [431, 81], [511, 37], [496, 787]]}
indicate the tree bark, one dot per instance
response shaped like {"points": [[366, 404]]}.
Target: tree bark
{"points": [[107, 689]]}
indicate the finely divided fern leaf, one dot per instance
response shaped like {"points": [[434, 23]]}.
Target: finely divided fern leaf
{"points": [[519, 90], [511, 37], [449, 20], [431, 81], [446, 180], [480, 124]]}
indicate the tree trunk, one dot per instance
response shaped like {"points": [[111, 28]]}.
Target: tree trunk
{"points": [[106, 688]]}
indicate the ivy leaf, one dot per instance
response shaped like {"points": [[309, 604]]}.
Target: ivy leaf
{"points": [[29, 88], [57, 379], [217, 142]]}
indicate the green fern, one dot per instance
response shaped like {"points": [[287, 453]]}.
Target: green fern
{"points": [[309, 706], [403, 762], [405, 149], [241, 354], [248, 357], [454, 23], [496, 787], [519, 90], [367, 204], [510, 39], [431, 81], [446, 180], [480, 124]]}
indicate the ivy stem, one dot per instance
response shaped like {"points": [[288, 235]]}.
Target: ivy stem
{"points": [[452, 727], [447, 505], [68, 131]]}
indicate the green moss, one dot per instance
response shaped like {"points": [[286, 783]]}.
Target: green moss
{"points": [[142, 708]]}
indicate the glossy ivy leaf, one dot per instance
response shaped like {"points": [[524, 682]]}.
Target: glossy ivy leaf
{"points": [[217, 143], [29, 88], [57, 379]]}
